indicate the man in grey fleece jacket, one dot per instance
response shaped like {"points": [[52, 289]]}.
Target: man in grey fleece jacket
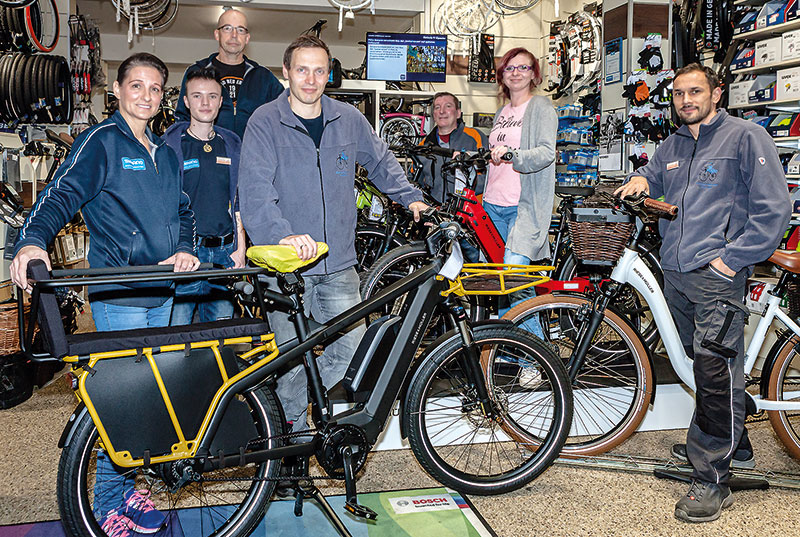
{"points": [[296, 182], [724, 175]]}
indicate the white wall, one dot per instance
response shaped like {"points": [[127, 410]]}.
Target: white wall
{"points": [[529, 29]]}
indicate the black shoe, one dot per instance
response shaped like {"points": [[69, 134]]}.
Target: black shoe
{"points": [[704, 502], [679, 452]]}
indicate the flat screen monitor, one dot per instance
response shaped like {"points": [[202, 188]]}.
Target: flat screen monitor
{"points": [[406, 57]]}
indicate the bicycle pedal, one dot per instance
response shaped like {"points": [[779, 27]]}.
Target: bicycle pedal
{"points": [[360, 511]]}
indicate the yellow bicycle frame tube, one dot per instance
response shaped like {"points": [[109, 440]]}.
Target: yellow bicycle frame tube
{"points": [[185, 447]]}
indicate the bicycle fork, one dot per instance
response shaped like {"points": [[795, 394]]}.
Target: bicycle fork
{"points": [[589, 323], [471, 359]]}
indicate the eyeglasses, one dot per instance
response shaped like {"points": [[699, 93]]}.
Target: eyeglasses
{"points": [[522, 68], [227, 28]]}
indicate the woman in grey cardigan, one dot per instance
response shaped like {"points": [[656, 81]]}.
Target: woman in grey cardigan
{"points": [[519, 194]]}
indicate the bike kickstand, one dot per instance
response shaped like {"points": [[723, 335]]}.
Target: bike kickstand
{"points": [[315, 494], [351, 500]]}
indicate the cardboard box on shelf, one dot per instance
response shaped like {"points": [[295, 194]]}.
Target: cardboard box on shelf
{"points": [[793, 168], [744, 58], [763, 89], [739, 89], [790, 45], [788, 84], [769, 51]]}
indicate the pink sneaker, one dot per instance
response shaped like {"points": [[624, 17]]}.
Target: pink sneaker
{"points": [[143, 515], [116, 525]]}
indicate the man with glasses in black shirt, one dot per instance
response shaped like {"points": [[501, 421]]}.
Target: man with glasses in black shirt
{"points": [[245, 84]]}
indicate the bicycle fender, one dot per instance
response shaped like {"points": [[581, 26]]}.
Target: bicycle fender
{"points": [[421, 359], [772, 357], [72, 423]]}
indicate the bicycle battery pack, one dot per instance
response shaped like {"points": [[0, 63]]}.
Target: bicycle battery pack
{"points": [[153, 404], [475, 216], [359, 380]]}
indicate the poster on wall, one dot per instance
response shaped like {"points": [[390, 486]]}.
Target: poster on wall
{"points": [[612, 61], [612, 124]]}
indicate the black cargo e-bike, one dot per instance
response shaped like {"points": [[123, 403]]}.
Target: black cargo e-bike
{"points": [[188, 414]]}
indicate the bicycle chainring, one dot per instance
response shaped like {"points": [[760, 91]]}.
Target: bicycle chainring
{"points": [[329, 454]]}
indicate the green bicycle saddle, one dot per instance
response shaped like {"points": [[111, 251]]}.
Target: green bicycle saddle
{"points": [[281, 257]]}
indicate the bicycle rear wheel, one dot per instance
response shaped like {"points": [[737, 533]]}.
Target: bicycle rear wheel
{"points": [[397, 131], [614, 386], [783, 384], [453, 438], [228, 502]]}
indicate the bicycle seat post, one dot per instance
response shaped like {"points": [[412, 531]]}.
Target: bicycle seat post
{"points": [[292, 284]]}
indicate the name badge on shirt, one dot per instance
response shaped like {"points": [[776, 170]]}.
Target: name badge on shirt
{"points": [[224, 160], [673, 165], [191, 164], [136, 164]]}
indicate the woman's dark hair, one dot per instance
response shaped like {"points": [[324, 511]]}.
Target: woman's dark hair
{"points": [[142, 59], [536, 79]]}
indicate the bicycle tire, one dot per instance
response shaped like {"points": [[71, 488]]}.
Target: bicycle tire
{"points": [[785, 373], [12, 4], [396, 129], [616, 380], [629, 302], [9, 82], [44, 38], [4, 63], [369, 245], [63, 87], [20, 89], [400, 262], [76, 493], [441, 404]]}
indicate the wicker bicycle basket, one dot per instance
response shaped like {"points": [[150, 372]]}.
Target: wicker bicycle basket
{"points": [[599, 234], [9, 329]]}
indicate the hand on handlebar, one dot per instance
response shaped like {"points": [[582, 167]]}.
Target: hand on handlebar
{"points": [[182, 262], [304, 245], [418, 207], [499, 154], [19, 266], [634, 187]]}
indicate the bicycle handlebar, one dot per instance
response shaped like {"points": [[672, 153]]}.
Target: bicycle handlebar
{"points": [[660, 207]]}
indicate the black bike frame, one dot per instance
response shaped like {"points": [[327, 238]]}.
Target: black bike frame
{"points": [[424, 294]]}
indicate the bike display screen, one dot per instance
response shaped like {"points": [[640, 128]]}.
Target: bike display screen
{"points": [[406, 57]]}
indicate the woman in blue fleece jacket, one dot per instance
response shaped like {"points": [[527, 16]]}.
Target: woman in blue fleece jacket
{"points": [[127, 182]]}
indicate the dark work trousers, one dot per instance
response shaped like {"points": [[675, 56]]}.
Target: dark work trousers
{"points": [[708, 308]]}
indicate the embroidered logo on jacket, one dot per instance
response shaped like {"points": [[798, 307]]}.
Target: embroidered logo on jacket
{"points": [[341, 163], [136, 164], [707, 176]]}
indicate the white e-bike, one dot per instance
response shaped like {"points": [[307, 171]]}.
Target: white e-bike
{"points": [[612, 370]]}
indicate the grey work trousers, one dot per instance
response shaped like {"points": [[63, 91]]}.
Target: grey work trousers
{"points": [[325, 297], [708, 308]]}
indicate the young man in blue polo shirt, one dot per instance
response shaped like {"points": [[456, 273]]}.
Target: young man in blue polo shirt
{"points": [[209, 157]]}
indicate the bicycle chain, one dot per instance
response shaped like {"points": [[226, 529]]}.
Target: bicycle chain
{"points": [[285, 436]]}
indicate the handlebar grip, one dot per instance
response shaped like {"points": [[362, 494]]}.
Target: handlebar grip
{"points": [[508, 156], [440, 151], [661, 207]]}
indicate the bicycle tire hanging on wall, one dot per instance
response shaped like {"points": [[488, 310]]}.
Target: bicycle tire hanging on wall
{"points": [[31, 28], [35, 89], [149, 15]]}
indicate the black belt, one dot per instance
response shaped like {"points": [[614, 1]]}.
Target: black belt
{"points": [[213, 242]]}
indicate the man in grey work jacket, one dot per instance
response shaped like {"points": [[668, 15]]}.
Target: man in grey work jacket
{"points": [[724, 175], [296, 185]]}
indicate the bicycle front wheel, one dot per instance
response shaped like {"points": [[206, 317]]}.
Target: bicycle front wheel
{"points": [[614, 385], [397, 131], [463, 446], [784, 384], [228, 502]]}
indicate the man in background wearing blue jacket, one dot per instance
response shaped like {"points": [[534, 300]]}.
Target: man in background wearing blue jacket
{"points": [[209, 160], [296, 187], [245, 84], [725, 176]]}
